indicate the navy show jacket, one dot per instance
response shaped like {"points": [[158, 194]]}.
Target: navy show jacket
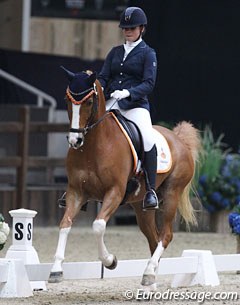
{"points": [[137, 73]]}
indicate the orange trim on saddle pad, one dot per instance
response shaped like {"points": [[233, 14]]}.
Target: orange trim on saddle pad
{"points": [[164, 157], [134, 153]]}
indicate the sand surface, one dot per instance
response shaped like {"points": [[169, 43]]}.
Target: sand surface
{"points": [[127, 242]]}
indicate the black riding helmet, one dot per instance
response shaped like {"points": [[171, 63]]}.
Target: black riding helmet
{"points": [[132, 17]]}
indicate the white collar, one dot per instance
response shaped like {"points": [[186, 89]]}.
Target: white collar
{"points": [[132, 44]]}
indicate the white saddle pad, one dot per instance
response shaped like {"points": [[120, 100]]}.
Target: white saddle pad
{"points": [[164, 158]]}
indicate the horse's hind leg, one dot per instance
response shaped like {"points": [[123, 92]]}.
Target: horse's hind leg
{"points": [[147, 224], [168, 212], [72, 208]]}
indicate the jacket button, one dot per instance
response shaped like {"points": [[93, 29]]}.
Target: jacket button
{"points": [[121, 73], [120, 82], [121, 64]]}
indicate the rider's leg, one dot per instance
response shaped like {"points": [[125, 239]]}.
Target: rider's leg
{"points": [[150, 200], [142, 118]]}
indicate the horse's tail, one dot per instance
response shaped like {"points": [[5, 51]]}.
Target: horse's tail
{"points": [[190, 136]]}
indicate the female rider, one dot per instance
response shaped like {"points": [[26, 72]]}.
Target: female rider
{"points": [[128, 76]]}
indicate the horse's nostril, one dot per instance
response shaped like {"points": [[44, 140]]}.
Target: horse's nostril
{"points": [[79, 141]]}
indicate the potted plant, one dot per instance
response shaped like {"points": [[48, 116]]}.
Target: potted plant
{"points": [[218, 184], [4, 232], [234, 222]]}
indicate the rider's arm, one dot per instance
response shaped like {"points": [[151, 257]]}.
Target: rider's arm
{"points": [[149, 77]]}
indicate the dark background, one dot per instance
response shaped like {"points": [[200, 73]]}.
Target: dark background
{"points": [[108, 10], [198, 49]]}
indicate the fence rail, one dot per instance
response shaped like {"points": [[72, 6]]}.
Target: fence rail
{"points": [[22, 161]]}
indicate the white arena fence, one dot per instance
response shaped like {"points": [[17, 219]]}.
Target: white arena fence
{"points": [[21, 272]]}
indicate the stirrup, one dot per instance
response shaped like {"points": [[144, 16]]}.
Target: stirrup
{"points": [[62, 201], [150, 201]]}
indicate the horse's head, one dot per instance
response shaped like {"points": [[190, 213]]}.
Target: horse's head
{"points": [[81, 96]]}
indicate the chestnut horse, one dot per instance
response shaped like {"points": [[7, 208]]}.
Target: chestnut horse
{"points": [[99, 165]]}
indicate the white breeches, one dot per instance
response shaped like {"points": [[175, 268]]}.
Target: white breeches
{"points": [[141, 117]]}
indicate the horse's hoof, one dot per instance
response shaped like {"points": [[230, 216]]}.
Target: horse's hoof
{"points": [[114, 264], [55, 277], [149, 282]]}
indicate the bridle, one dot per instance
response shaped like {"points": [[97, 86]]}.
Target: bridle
{"points": [[87, 94]]}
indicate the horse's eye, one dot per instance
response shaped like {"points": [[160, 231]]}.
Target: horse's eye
{"points": [[89, 102]]}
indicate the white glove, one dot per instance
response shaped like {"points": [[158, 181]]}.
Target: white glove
{"points": [[120, 94]]}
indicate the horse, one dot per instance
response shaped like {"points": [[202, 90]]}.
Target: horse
{"points": [[100, 163]]}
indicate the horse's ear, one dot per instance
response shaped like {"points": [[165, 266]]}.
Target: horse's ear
{"points": [[70, 75], [92, 78]]}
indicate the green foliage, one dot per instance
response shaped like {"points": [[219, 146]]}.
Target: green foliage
{"points": [[212, 154], [218, 176]]}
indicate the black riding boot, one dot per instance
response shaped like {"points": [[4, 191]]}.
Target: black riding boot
{"points": [[150, 200]]}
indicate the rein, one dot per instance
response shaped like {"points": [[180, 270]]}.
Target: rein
{"points": [[88, 127]]}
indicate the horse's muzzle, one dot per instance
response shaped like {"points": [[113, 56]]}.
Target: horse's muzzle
{"points": [[75, 142]]}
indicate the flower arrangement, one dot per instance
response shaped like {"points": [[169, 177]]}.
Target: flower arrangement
{"points": [[218, 185], [234, 220], [4, 232]]}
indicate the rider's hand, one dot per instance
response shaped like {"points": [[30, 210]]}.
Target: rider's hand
{"points": [[120, 94]]}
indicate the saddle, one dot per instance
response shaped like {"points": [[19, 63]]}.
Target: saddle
{"points": [[133, 132], [135, 137]]}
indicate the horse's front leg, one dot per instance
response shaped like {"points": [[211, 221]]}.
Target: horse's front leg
{"points": [[147, 224], [73, 205], [110, 203], [108, 260]]}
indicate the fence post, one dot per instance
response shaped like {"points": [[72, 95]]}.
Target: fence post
{"points": [[23, 143], [22, 236]]}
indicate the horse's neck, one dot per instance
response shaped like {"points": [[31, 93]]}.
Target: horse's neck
{"points": [[101, 100], [101, 110], [101, 106]]}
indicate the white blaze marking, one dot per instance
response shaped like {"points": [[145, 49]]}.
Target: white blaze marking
{"points": [[74, 124]]}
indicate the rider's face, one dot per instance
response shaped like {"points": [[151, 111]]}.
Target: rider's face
{"points": [[132, 34]]}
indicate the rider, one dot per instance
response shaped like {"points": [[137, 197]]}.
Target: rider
{"points": [[128, 75]]}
